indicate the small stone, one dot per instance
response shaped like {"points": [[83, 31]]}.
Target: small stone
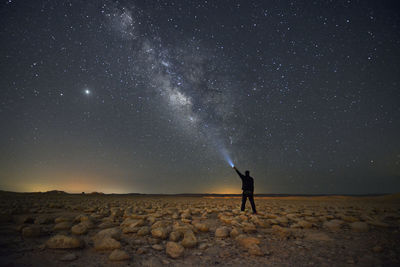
{"points": [[63, 226], [203, 246], [189, 240], [333, 225], [255, 250], [160, 232], [175, 236], [110, 232], [64, 242], [282, 232], [79, 229], [359, 227], [174, 250], [377, 249], [157, 247], [107, 243], [143, 231], [202, 227], [247, 242], [235, 232], [69, 257], [62, 219], [304, 224], [118, 255], [31, 231], [318, 236], [141, 251], [222, 232]]}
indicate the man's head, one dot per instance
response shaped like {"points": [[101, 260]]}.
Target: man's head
{"points": [[247, 173]]}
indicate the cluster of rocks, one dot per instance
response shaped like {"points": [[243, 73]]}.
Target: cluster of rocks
{"points": [[123, 227]]}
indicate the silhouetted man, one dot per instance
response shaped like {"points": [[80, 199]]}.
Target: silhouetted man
{"points": [[248, 189]]}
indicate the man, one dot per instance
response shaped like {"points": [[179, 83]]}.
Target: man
{"points": [[248, 189]]}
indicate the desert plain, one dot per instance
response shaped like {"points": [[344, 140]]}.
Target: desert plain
{"points": [[59, 229]]}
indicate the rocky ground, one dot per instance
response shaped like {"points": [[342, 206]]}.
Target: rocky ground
{"points": [[108, 230]]}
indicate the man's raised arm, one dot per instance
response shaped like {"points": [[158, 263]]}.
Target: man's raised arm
{"points": [[238, 172]]}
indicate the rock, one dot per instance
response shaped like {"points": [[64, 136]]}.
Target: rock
{"points": [[226, 219], [235, 232], [64, 242], [106, 243], [87, 223], [44, 220], [175, 236], [107, 224], [160, 232], [79, 229], [118, 255], [69, 257], [222, 232], [174, 250], [63, 219], [349, 219], [304, 224], [63, 226], [203, 246], [378, 223], [317, 236], [110, 232], [143, 231], [130, 229], [202, 227], [31, 231], [141, 251], [153, 262], [282, 221], [359, 227], [189, 240], [162, 224], [246, 241], [377, 249], [157, 247], [282, 232], [333, 225], [255, 250]]}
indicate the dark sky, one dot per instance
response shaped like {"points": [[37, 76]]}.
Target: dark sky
{"points": [[148, 96]]}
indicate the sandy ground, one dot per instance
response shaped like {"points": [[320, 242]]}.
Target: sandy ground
{"points": [[113, 230]]}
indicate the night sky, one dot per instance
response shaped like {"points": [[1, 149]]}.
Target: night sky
{"points": [[154, 96]]}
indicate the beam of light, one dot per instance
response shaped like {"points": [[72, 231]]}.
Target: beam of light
{"points": [[227, 158]]}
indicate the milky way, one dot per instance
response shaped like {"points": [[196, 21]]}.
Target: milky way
{"points": [[156, 96]]}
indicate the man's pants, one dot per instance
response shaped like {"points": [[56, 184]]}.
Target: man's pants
{"points": [[249, 195]]}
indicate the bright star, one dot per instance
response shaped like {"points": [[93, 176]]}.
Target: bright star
{"points": [[87, 92]]}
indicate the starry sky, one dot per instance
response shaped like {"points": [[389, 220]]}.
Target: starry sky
{"points": [[155, 96]]}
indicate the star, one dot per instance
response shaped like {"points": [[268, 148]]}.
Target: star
{"points": [[87, 92]]}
